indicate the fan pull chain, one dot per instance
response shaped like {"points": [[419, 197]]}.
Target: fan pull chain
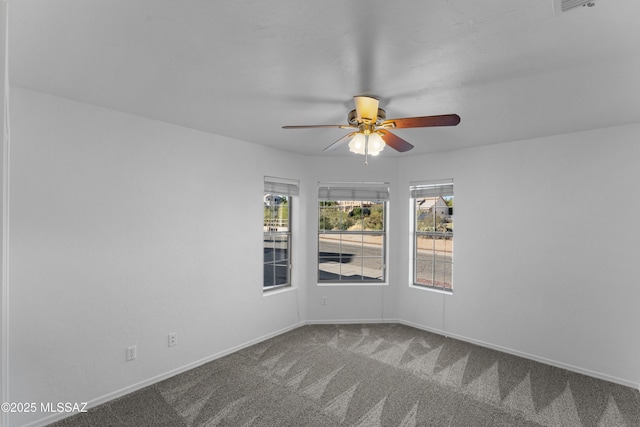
{"points": [[366, 149]]}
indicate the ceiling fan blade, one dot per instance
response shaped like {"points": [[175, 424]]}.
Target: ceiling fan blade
{"points": [[366, 108], [394, 141], [340, 142], [318, 126], [422, 122]]}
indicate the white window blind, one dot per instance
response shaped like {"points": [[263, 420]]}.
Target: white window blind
{"points": [[371, 191], [424, 189], [282, 186]]}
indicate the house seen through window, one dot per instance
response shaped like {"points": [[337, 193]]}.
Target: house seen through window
{"points": [[433, 234]]}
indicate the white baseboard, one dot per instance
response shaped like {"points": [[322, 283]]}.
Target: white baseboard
{"points": [[346, 321], [135, 387], [150, 381], [533, 357]]}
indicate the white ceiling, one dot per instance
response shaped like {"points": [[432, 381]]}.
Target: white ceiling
{"points": [[512, 69]]}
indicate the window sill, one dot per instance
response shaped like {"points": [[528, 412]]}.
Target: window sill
{"points": [[276, 291], [426, 288], [343, 284]]}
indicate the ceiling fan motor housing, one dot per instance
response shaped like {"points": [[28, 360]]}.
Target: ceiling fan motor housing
{"points": [[352, 117]]}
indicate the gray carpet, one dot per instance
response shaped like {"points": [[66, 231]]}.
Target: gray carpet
{"points": [[371, 375]]}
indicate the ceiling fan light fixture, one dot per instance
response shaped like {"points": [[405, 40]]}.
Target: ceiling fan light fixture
{"points": [[373, 147], [376, 144], [356, 145]]}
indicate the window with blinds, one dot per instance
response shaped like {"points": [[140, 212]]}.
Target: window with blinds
{"points": [[432, 203], [352, 232], [277, 200]]}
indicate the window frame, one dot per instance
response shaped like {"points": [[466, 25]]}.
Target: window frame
{"points": [[421, 190], [362, 196], [283, 188]]}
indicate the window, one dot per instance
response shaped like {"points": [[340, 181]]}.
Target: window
{"points": [[433, 234], [277, 232], [352, 232]]}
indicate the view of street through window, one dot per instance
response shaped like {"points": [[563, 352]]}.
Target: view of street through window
{"points": [[351, 239], [277, 241], [433, 242]]}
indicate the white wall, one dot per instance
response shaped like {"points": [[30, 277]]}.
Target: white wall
{"points": [[3, 288], [124, 230], [546, 241], [544, 250], [349, 303]]}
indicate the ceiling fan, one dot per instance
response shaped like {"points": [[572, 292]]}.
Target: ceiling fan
{"points": [[372, 127]]}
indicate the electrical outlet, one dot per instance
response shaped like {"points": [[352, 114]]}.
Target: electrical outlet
{"points": [[131, 352], [173, 339], [324, 300]]}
